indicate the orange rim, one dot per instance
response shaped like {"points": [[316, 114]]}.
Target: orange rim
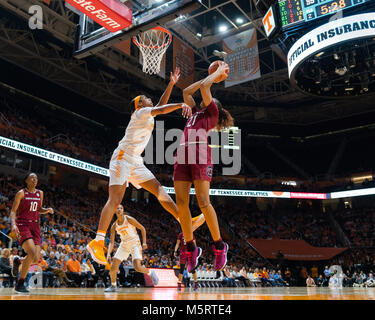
{"points": [[155, 47]]}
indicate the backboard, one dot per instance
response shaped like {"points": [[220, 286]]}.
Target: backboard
{"points": [[146, 14]]}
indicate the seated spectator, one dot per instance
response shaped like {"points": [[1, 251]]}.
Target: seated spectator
{"points": [[280, 282], [74, 270], [347, 280], [288, 275], [5, 264], [238, 276], [228, 280], [370, 282], [264, 277], [56, 268], [321, 281], [358, 280], [87, 272], [48, 276], [310, 281]]}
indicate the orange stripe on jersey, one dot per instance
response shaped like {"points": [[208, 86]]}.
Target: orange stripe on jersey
{"points": [[120, 155]]}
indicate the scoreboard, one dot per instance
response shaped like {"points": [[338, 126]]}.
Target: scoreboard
{"points": [[297, 11]]}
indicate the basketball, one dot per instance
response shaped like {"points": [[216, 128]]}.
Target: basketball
{"points": [[213, 67]]}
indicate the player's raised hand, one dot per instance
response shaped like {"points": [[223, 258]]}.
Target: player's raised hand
{"points": [[175, 76], [222, 68], [186, 111]]}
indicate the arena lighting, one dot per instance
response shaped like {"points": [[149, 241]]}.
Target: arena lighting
{"points": [[78, 164], [223, 28], [239, 20]]}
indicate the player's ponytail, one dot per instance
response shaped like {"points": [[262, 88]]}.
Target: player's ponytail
{"points": [[225, 118]]}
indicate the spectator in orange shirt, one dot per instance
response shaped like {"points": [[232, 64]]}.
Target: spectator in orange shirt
{"points": [[74, 269], [48, 276], [265, 277]]}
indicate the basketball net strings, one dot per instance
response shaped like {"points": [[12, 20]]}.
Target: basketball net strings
{"points": [[153, 45]]}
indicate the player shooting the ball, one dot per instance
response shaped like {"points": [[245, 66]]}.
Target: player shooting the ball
{"points": [[208, 115]]}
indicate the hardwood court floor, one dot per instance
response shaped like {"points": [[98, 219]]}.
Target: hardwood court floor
{"points": [[292, 293]]}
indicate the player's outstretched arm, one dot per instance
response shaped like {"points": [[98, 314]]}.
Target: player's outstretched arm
{"points": [[175, 76], [136, 224], [168, 108], [189, 91], [206, 84]]}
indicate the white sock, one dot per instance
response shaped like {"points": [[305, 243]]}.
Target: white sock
{"points": [[114, 284], [100, 236]]}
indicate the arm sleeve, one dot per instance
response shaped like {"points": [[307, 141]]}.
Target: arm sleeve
{"points": [[143, 112]]}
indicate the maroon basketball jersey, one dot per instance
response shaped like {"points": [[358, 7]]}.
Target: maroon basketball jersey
{"points": [[29, 206], [183, 242], [197, 129]]}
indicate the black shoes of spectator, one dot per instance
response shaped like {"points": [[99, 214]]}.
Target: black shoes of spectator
{"points": [[16, 265]]}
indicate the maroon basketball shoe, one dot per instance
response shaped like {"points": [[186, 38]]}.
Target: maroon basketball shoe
{"points": [[192, 258], [220, 257]]}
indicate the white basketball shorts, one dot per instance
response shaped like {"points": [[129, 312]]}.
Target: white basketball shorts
{"points": [[126, 248], [124, 169]]}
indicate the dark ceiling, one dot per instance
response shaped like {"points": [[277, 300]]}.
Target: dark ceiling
{"points": [[100, 87]]}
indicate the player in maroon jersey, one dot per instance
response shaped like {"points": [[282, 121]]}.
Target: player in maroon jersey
{"points": [[181, 243], [193, 164], [27, 205]]}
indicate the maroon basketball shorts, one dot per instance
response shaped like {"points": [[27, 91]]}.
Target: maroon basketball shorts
{"points": [[183, 258], [191, 172], [29, 230]]}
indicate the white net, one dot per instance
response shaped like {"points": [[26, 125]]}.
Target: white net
{"points": [[153, 44]]}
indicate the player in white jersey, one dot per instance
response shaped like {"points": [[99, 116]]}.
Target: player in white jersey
{"points": [[126, 226], [127, 164]]}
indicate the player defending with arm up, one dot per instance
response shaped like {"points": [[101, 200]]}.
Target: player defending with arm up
{"points": [[127, 163]]}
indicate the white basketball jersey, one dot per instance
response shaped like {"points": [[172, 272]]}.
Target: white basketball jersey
{"points": [[138, 132], [127, 231]]}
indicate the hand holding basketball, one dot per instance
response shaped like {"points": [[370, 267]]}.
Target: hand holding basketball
{"points": [[221, 68]]}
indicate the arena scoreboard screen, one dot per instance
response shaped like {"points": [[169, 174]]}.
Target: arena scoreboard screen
{"points": [[297, 11]]}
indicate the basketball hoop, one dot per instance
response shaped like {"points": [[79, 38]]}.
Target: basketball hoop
{"points": [[153, 44]]}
